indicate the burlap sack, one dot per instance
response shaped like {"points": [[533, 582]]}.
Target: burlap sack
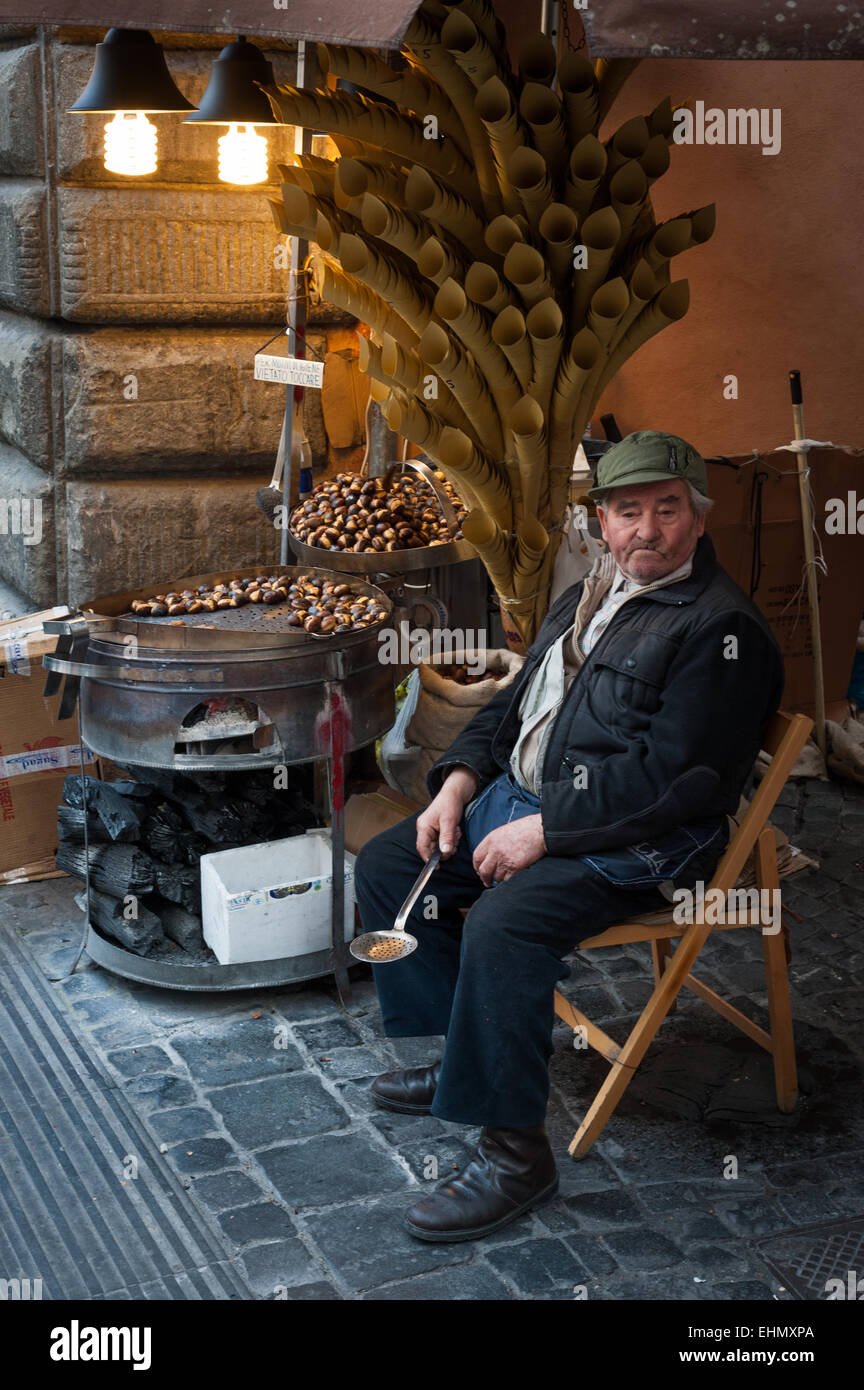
{"points": [[444, 707]]}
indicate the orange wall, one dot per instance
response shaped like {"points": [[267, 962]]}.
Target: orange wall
{"points": [[779, 285]]}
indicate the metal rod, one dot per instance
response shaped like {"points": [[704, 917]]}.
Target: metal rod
{"points": [[809, 560]]}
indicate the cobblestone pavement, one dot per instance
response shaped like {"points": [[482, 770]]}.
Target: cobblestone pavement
{"points": [[305, 1181]]}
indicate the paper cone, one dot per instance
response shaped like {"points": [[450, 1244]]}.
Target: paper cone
{"points": [[643, 286], [486, 20], [410, 419], [305, 231], [579, 89], [427, 195], [335, 287], [527, 423], [545, 324], [511, 335], [587, 168], [528, 174], [702, 225], [531, 542], [381, 275], [491, 545], [314, 175], [457, 371], [379, 391], [627, 191], [410, 87], [483, 286], [399, 229], [468, 47], [494, 106], [608, 306], [558, 227], [355, 177], [459, 456], [537, 59], [405, 367], [473, 327], [541, 110], [575, 370], [600, 233], [655, 161], [667, 307], [423, 42], [527, 271], [670, 239], [630, 141], [438, 262], [376, 124], [502, 233]]}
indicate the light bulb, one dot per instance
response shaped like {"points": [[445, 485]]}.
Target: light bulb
{"points": [[130, 144], [242, 156]]}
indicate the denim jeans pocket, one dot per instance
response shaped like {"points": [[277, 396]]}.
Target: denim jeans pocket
{"points": [[664, 859]]}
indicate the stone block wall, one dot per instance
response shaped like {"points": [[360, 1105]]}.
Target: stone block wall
{"points": [[130, 312]]}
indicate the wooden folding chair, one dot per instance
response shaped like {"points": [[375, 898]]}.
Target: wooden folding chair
{"points": [[784, 739]]}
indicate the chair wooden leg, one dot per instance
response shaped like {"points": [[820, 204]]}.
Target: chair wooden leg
{"points": [[777, 983], [640, 1039], [661, 950]]}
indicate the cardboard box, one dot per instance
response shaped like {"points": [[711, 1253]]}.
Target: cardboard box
{"points": [[781, 594], [272, 900], [36, 750], [368, 813]]}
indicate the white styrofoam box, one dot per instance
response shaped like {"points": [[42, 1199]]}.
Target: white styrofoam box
{"points": [[271, 900]]}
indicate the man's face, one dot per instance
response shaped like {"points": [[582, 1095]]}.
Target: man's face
{"points": [[650, 528]]}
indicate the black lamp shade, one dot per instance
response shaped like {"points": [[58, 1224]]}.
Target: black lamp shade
{"points": [[232, 97], [130, 74]]}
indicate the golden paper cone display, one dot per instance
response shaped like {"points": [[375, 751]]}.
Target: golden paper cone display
{"points": [[527, 271], [600, 234], [558, 227], [541, 111], [529, 431], [483, 285], [460, 456], [587, 168], [454, 224], [457, 371], [545, 324], [463, 40], [511, 335], [526, 170], [579, 89]]}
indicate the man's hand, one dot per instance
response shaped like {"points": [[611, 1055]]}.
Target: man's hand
{"points": [[439, 823], [508, 849]]}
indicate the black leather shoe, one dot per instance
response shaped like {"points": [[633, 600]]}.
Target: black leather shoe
{"points": [[512, 1171], [410, 1092]]}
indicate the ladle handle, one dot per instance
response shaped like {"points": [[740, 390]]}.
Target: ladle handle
{"points": [[426, 873]]}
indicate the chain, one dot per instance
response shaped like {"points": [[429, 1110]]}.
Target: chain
{"points": [[568, 37]]}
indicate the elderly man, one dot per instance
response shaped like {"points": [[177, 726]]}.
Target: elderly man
{"points": [[581, 795]]}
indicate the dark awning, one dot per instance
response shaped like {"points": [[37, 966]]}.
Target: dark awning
{"points": [[616, 28]]}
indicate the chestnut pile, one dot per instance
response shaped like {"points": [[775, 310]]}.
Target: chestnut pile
{"points": [[349, 512], [321, 606]]}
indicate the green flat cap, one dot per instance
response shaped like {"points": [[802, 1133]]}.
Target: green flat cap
{"points": [[649, 456]]}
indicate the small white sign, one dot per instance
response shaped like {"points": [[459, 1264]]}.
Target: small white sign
{"points": [[290, 371]]}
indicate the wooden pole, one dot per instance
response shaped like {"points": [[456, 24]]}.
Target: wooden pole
{"points": [[809, 560]]}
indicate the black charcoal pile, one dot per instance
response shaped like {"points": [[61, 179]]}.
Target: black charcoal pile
{"points": [[146, 835]]}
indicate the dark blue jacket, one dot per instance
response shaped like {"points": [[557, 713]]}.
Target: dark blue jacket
{"points": [[667, 714]]}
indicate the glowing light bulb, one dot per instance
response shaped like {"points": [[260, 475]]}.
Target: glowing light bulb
{"points": [[130, 144], [242, 156]]}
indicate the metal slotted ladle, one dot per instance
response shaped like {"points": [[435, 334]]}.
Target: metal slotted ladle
{"points": [[383, 947]]}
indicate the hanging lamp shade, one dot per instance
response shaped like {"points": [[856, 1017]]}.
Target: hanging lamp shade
{"points": [[130, 74], [232, 98]]}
